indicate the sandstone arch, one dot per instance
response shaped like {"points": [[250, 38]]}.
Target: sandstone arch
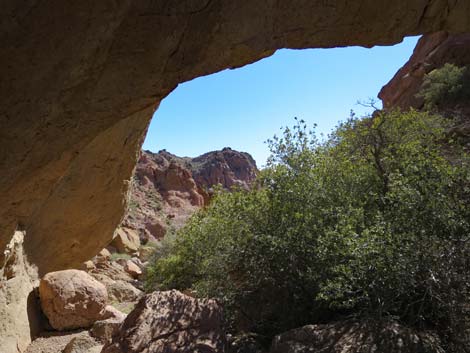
{"points": [[80, 81]]}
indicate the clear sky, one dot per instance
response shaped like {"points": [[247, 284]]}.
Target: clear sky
{"points": [[244, 107]]}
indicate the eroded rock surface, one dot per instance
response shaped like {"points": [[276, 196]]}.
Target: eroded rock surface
{"points": [[20, 313], [82, 344], [228, 168], [72, 299], [80, 82], [171, 322]]}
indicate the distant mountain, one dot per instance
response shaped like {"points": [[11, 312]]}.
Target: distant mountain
{"points": [[166, 189]]}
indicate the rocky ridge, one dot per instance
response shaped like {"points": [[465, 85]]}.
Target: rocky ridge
{"points": [[166, 189]]}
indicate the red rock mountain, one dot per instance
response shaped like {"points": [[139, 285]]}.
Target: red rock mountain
{"points": [[166, 189]]}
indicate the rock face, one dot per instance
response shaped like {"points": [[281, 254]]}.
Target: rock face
{"points": [[72, 299], [20, 313], [170, 322], [126, 240], [228, 168], [81, 81], [167, 189], [433, 51], [354, 337]]}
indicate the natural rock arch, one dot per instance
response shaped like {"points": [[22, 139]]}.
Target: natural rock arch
{"points": [[80, 81]]}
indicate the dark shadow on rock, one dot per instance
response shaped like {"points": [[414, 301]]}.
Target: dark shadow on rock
{"points": [[37, 320]]}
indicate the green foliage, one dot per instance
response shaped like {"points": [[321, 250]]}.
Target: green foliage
{"points": [[117, 256], [373, 221], [446, 86]]}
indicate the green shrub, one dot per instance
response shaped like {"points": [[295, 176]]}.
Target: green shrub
{"points": [[118, 256], [374, 221], [445, 86]]}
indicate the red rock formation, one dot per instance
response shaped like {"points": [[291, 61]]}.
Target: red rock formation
{"points": [[168, 189], [432, 51], [228, 168]]}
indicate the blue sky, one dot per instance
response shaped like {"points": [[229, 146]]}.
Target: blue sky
{"points": [[244, 107]]}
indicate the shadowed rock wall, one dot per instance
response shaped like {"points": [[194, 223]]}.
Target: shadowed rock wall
{"points": [[81, 79]]}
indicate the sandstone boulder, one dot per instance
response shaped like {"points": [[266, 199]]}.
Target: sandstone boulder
{"points": [[119, 290], [112, 269], [82, 344], [104, 330], [87, 266], [122, 291], [72, 299], [126, 241], [131, 268], [171, 322], [356, 337], [103, 255]]}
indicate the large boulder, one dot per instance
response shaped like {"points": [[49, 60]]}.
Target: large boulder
{"points": [[132, 269], [356, 337], [171, 322], [72, 299], [126, 241]]}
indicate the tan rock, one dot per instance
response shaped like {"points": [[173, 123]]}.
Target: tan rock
{"points": [[104, 330], [53, 342], [132, 269], [126, 241], [170, 322], [112, 269], [122, 291], [20, 313], [119, 290], [88, 266], [82, 344], [103, 255], [72, 299], [111, 312]]}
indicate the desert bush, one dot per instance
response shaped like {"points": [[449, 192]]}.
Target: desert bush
{"points": [[445, 87], [373, 221], [120, 256]]}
